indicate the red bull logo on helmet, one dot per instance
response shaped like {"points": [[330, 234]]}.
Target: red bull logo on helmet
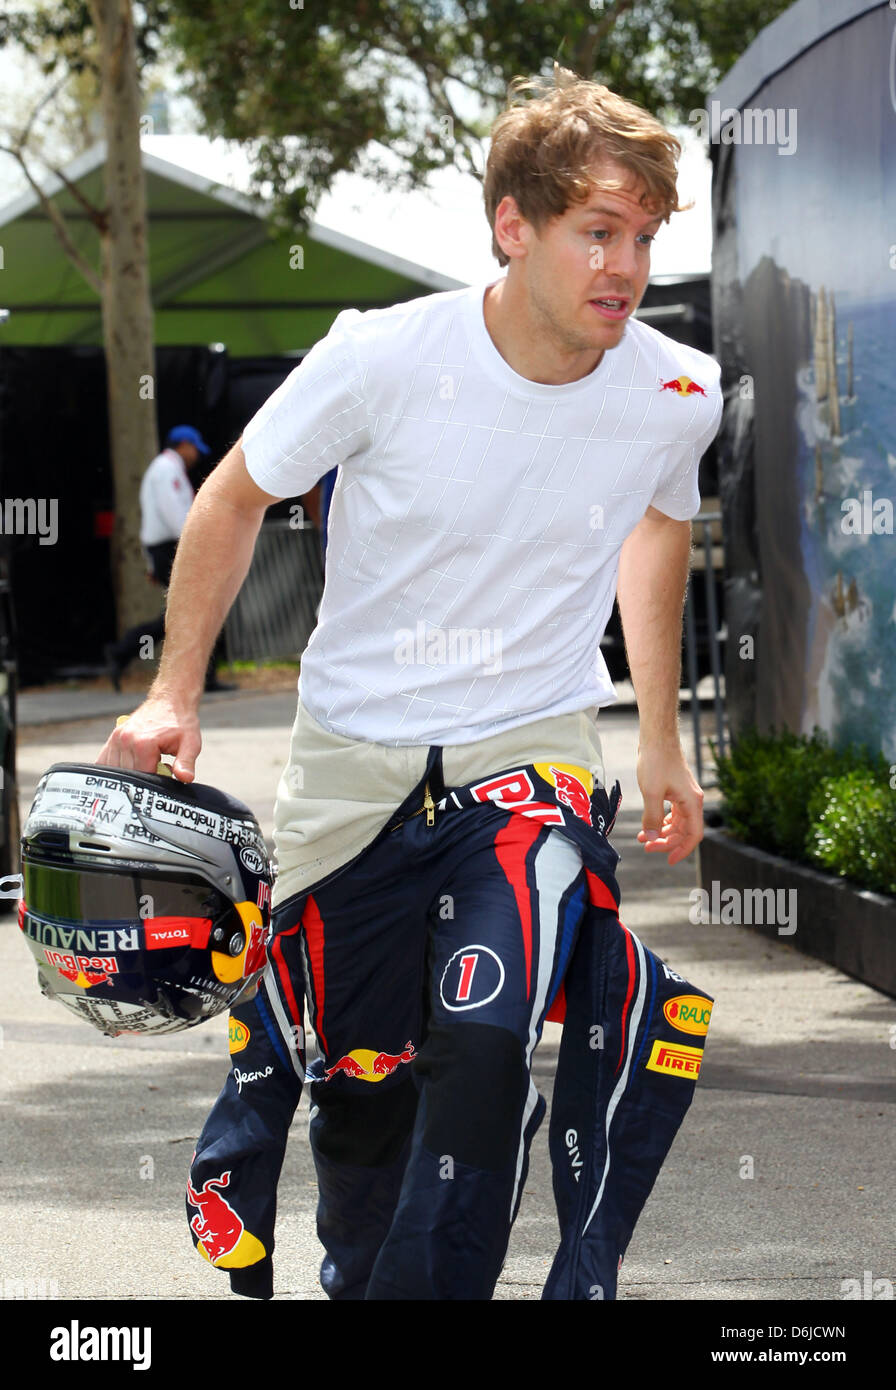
{"points": [[364, 1064], [221, 1236], [683, 386], [252, 956], [255, 952], [85, 971]]}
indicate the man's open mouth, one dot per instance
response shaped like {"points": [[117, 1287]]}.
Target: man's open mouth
{"points": [[611, 306]]}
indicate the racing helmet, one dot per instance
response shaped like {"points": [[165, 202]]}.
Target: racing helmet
{"points": [[145, 900]]}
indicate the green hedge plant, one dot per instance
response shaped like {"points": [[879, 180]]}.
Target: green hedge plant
{"points": [[852, 829], [795, 795]]}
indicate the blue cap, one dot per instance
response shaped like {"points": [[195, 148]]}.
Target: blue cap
{"points": [[186, 434]]}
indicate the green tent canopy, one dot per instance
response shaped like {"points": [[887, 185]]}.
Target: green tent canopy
{"points": [[219, 272]]}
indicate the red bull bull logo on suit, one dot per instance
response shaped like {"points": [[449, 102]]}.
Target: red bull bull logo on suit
{"points": [[364, 1064], [572, 784], [222, 1239], [515, 791]]}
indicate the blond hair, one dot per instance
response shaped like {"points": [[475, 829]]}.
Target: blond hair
{"points": [[542, 149]]}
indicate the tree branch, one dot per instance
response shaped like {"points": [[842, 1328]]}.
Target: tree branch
{"points": [[58, 221], [584, 53], [51, 92], [96, 215]]}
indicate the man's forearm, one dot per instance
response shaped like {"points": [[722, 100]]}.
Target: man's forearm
{"points": [[213, 558], [653, 574]]}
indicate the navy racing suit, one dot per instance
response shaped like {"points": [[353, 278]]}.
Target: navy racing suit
{"points": [[428, 971]]}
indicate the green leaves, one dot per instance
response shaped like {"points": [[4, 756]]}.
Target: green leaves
{"points": [[851, 832], [363, 85], [797, 796]]}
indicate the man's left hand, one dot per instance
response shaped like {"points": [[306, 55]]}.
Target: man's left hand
{"points": [[663, 775]]}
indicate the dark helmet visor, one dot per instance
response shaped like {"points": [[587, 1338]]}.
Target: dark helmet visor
{"points": [[86, 896]]}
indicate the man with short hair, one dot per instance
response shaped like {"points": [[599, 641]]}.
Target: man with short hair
{"points": [[166, 495], [507, 454]]}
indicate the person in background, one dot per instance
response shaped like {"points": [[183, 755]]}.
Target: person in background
{"points": [[166, 494]]}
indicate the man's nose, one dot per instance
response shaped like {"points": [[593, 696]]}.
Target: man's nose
{"points": [[620, 260]]}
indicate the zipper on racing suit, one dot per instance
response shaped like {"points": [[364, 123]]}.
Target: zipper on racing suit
{"points": [[428, 806]]}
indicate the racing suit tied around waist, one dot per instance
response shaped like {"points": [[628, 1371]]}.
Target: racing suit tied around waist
{"points": [[622, 1099]]}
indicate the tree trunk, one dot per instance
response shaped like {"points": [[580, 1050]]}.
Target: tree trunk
{"points": [[127, 308]]}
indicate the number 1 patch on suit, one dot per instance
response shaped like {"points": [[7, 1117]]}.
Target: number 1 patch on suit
{"points": [[473, 976]]}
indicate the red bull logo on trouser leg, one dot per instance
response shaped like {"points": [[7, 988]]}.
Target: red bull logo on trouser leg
{"points": [[221, 1237], [366, 1065]]}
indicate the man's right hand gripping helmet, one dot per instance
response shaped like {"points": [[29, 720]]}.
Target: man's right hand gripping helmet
{"points": [[146, 901]]}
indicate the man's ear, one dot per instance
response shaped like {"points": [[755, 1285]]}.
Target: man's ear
{"points": [[515, 229]]}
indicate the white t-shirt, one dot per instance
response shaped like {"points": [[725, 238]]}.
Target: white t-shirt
{"points": [[165, 497], [477, 517]]}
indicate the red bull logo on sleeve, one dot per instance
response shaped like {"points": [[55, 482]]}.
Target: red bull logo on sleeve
{"points": [[221, 1236], [683, 386], [84, 971], [364, 1064], [573, 786]]}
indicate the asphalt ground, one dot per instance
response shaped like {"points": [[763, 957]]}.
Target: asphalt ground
{"points": [[778, 1186]]}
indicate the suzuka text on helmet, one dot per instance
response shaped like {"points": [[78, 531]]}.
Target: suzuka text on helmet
{"points": [[146, 901]]}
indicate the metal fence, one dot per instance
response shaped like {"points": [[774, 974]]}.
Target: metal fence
{"points": [[709, 560], [276, 608]]}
